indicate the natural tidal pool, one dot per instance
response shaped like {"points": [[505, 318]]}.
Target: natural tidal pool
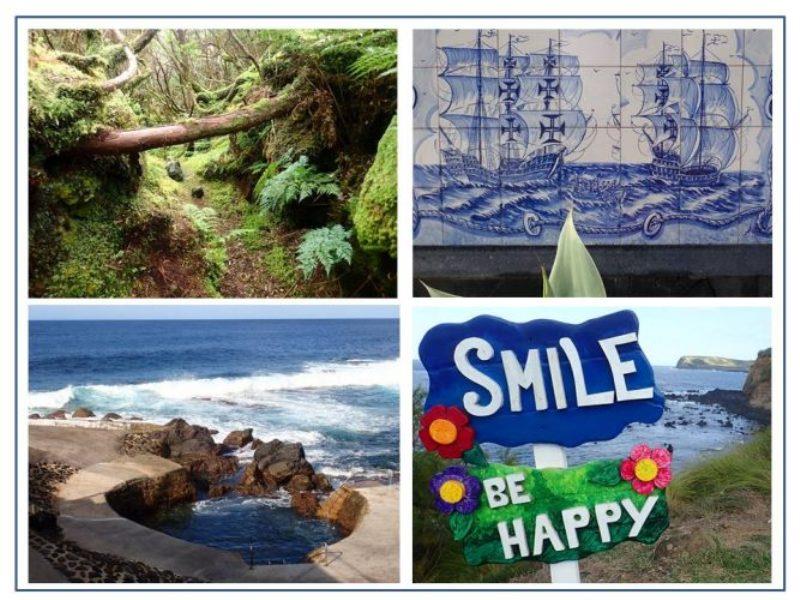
{"points": [[261, 530]]}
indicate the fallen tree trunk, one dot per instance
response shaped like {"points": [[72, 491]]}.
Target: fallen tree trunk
{"points": [[138, 140]]}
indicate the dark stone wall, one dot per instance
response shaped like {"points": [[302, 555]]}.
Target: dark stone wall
{"points": [[496, 271]]}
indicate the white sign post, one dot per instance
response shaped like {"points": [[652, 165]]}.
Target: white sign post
{"points": [[553, 456]]}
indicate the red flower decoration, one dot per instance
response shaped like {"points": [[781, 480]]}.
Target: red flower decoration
{"points": [[647, 468], [445, 430]]}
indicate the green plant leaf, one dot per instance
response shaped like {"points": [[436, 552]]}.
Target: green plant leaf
{"points": [[460, 525], [475, 456], [547, 291], [574, 273], [434, 293], [603, 473]]}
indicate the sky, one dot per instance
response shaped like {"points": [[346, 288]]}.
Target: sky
{"points": [[86, 312], [665, 334]]}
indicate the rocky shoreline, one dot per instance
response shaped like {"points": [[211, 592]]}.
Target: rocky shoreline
{"points": [[208, 469], [733, 401]]}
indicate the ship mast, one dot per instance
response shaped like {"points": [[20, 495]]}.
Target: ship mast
{"points": [[479, 109], [702, 101], [663, 71]]}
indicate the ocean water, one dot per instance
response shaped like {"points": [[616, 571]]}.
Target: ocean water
{"points": [[609, 200], [708, 429], [330, 384]]}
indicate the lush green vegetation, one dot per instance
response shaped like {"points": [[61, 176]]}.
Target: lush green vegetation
{"points": [[719, 480], [297, 201]]}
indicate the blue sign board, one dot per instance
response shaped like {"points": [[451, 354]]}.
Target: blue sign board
{"points": [[542, 381]]}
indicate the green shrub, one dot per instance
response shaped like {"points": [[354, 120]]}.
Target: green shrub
{"points": [[298, 182], [716, 481], [375, 209], [326, 247]]}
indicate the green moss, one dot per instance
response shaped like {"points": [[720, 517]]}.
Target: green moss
{"points": [[375, 209], [72, 188], [280, 263], [66, 103], [93, 266]]}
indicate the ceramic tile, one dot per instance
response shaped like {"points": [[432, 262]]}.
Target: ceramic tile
{"points": [[426, 98], [546, 127], [426, 217], [594, 47], [650, 47], [756, 98], [721, 48], [425, 54], [757, 46]]}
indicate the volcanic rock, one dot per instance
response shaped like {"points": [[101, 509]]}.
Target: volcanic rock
{"points": [[322, 483], [59, 414], [219, 489], [305, 503], [758, 385], [280, 461], [112, 416], [82, 413], [344, 507], [300, 483], [238, 439], [174, 170], [253, 483]]}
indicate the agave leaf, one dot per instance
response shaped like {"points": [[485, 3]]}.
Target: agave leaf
{"points": [[574, 273], [547, 291], [434, 293]]}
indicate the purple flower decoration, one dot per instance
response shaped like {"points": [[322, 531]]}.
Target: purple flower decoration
{"points": [[455, 489]]}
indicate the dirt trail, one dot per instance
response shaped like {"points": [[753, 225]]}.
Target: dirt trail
{"points": [[246, 256]]}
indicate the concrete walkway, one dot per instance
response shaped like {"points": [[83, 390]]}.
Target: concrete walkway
{"points": [[370, 554], [80, 447]]}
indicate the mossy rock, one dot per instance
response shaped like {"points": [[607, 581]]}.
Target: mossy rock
{"points": [[375, 209]]}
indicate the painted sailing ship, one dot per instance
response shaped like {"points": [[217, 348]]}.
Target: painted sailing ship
{"points": [[692, 117], [528, 102]]}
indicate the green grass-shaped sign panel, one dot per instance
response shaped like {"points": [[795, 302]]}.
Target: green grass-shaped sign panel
{"points": [[512, 513]]}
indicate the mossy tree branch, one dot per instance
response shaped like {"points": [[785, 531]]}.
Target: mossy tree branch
{"points": [[130, 70], [117, 142]]}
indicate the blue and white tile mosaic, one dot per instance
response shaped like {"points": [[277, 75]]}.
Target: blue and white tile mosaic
{"points": [[651, 136]]}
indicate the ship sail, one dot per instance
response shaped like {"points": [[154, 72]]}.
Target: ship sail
{"points": [[517, 112], [465, 61], [690, 111], [466, 93]]}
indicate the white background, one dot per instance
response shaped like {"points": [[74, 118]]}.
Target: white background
{"points": [[410, 7]]}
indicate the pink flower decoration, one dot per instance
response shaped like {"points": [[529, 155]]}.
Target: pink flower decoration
{"points": [[647, 469]]}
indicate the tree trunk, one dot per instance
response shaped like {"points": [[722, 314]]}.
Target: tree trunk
{"points": [[138, 140], [129, 72], [137, 46]]}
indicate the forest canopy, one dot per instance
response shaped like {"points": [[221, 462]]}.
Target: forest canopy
{"points": [[239, 163]]}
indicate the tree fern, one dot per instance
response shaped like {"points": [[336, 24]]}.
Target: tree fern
{"points": [[299, 181], [325, 247], [375, 62]]}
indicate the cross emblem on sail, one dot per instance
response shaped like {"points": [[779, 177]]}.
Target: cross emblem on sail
{"points": [[513, 117], [691, 117]]}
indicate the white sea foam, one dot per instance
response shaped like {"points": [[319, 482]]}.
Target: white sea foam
{"points": [[54, 399], [234, 390]]}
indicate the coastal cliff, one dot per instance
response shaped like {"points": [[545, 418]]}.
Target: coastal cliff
{"points": [[758, 385], [714, 363]]}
